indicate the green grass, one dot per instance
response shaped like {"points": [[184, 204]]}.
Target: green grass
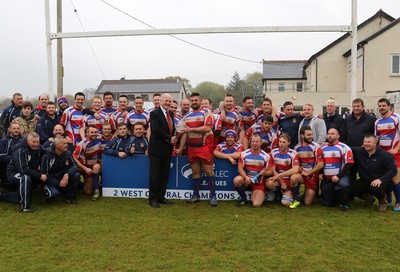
{"points": [[128, 235]]}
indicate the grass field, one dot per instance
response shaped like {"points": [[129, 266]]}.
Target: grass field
{"points": [[127, 235]]}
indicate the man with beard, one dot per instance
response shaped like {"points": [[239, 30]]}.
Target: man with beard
{"points": [[290, 122], [266, 132], [40, 109], [338, 160], [376, 169], [6, 145], [229, 117], [108, 107], [23, 172], [47, 122], [229, 150], [388, 130], [311, 163], [107, 135], [90, 120], [248, 117], [285, 172], [61, 172], [87, 156], [200, 141], [11, 112], [63, 104], [138, 115], [122, 111], [253, 162]]}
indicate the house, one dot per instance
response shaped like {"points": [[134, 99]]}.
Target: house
{"points": [[144, 88], [327, 72], [286, 77]]}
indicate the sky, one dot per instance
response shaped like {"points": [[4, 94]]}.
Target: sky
{"points": [[23, 62]]}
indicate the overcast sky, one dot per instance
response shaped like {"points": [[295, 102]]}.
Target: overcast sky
{"points": [[23, 63]]}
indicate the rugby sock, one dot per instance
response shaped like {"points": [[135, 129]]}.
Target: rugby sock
{"points": [[396, 191], [196, 187], [296, 192], [241, 193], [95, 179], [389, 193], [211, 186]]}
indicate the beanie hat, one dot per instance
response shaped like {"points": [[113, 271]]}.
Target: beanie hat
{"points": [[230, 132], [62, 99]]}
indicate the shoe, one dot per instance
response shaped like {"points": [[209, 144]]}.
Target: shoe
{"points": [[27, 210], [71, 201], [154, 204], [344, 207], [241, 203], [382, 205], [165, 201], [213, 202], [295, 204], [96, 196], [193, 200], [396, 208]]}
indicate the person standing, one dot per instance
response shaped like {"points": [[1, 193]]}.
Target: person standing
{"points": [[11, 112], [160, 148], [290, 123], [333, 119], [200, 141], [46, 123], [388, 130], [316, 124], [40, 109]]}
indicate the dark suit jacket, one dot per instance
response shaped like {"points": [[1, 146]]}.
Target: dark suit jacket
{"points": [[160, 138]]}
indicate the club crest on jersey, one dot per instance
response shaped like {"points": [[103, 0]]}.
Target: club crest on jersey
{"points": [[142, 145], [260, 163], [333, 154], [287, 162], [198, 119], [66, 163], [294, 120]]}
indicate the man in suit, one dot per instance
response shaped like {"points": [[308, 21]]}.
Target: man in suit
{"points": [[160, 148]]}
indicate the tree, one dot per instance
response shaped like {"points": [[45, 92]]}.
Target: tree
{"points": [[235, 86], [185, 81], [89, 93], [253, 86], [212, 90]]}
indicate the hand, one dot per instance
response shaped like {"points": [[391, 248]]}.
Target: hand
{"points": [[69, 140], [63, 183], [146, 153], [88, 171], [132, 150], [123, 154], [334, 179], [173, 139], [376, 183], [393, 151], [51, 139], [43, 177], [233, 161], [178, 151], [124, 114], [186, 130], [97, 116], [247, 180]]}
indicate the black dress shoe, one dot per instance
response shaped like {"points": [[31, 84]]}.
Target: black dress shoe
{"points": [[165, 201], [154, 204]]}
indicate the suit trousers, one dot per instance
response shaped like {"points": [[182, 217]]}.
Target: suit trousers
{"points": [[159, 173]]}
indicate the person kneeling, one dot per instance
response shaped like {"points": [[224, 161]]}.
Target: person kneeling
{"points": [[61, 171]]}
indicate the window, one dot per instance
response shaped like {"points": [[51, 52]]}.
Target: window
{"points": [[396, 64], [299, 86], [145, 97], [281, 87]]}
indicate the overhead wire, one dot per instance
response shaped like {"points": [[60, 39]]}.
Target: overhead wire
{"points": [[180, 39], [90, 44]]}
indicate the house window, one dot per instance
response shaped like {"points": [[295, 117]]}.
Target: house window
{"points": [[396, 64], [145, 97], [299, 86], [281, 87]]}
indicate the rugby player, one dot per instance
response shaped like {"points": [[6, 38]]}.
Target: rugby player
{"points": [[229, 149]]}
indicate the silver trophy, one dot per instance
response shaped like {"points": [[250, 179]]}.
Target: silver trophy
{"points": [[256, 178]]}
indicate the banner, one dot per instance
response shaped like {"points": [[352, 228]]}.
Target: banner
{"points": [[129, 177]]}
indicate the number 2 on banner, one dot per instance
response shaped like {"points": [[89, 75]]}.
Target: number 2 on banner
{"points": [[115, 192]]}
